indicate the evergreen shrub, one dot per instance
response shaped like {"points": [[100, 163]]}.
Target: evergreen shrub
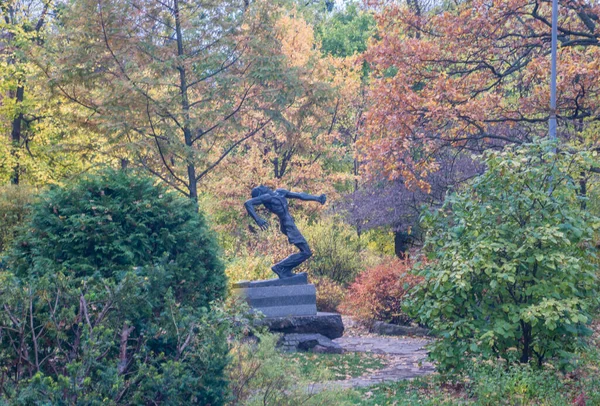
{"points": [[108, 299], [107, 224]]}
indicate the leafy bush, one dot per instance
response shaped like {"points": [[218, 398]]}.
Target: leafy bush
{"points": [[110, 299], [378, 293], [336, 250], [14, 207], [511, 261], [330, 294], [380, 241], [107, 224]]}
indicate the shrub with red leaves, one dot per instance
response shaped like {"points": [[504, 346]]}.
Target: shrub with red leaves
{"points": [[378, 293], [580, 400]]}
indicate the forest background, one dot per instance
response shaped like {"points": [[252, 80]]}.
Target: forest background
{"points": [[390, 108], [383, 106]]}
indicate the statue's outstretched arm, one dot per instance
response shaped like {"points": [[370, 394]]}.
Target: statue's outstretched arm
{"points": [[305, 196], [249, 205]]}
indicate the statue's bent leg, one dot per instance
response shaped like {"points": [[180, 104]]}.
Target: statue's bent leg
{"points": [[284, 268]]}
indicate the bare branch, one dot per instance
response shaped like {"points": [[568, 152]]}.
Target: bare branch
{"points": [[228, 150]]}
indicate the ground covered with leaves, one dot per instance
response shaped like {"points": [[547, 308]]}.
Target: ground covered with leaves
{"points": [[339, 367], [487, 383]]}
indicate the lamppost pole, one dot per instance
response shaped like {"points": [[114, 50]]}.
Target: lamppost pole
{"points": [[552, 120]]}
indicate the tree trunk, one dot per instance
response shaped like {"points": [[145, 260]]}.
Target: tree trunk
{"points": [[185, 105], [15, 135], [526, 351], [583, 189], [401, 243]]}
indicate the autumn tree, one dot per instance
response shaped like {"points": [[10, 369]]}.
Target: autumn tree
{"points": [[475, 77], [296, 147], [21, 28], [298, 150], [392, 205], [344, 36], [41, 142], [181, 83]]}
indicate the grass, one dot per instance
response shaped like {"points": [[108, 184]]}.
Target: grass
{"points": [[420, 391], [339, 366]]}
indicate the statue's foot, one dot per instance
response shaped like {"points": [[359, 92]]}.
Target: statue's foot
{"points": [[282, 272]]}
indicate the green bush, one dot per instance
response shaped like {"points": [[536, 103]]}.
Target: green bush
{"points": [[336, 250], [107, 224], [511, 261], [249, 268], [380, 241], [14, 207], [110, 300]]}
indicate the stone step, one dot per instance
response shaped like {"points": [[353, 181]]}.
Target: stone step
{"points": [[288, 311]]}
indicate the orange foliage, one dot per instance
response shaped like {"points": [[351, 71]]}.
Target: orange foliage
{"points": [[475, 75], [296, 153], [378, 293]]}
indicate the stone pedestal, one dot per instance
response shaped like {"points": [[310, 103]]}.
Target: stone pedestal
{"points": [[280, 297], [290, 307]]}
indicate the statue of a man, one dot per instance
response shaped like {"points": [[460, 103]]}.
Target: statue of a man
{"points": [[276, 202]]}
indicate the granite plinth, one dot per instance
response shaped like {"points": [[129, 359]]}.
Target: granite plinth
{"points": [[281, 300], [290, 306]]}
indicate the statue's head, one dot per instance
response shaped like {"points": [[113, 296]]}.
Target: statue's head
{"points": [[260, 190]]}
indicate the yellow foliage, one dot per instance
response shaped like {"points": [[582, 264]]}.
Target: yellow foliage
{"points": [[249, 268]]}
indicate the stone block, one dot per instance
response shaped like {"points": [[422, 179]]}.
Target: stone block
{"points": [[287, 311], [281, 301], [309, 343], [387, 329], [328, 324]]}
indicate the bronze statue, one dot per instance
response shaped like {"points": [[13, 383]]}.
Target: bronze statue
{"points": [[276, 202]]}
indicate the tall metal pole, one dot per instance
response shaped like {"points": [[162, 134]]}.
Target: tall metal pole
{"points": [[552, 121]]}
